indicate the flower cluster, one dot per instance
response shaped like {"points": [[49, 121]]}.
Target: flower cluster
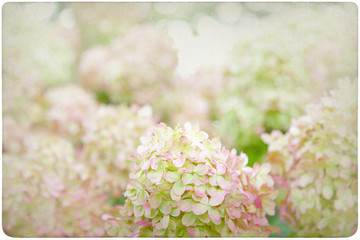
{"points": [[276, 71], [110, 142], [42, 189], [13, 135], [54, 186], [38, 53], [194, 98], [84, 85], [190, 104], [185, 185], [316, 163], [69, 108], [42, 50], [126, 70]]}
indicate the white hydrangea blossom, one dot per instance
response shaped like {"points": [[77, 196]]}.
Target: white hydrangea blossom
{"points": [[135, 68], [316, 164]]}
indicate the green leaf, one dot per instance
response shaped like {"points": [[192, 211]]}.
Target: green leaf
{"points": [[286, 231], [103, 97], [116, 201]]}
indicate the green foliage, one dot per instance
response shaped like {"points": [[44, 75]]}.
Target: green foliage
{"points": [[116, 200], [286, 231], [103, 97]]}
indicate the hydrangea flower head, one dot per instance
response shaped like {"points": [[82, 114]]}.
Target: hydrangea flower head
{"points": [[186, 185], [193, 97], [38, 53], [69, 108], [183, 104], [316, 164], [38, 47], [287, 62], [110, 141], [125, 70], [45, 192]]}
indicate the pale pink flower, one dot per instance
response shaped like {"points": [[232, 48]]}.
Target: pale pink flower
{"points": [[185, 185]]}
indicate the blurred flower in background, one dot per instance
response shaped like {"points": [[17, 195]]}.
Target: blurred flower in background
{"points": [[134, 69], [316, 162], [288, 61], [109, 144], [43, 192], [38, 51], [84, 82], [69, 107]]}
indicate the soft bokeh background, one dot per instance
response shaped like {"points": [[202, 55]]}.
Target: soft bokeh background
{"points": [[92, 78]]}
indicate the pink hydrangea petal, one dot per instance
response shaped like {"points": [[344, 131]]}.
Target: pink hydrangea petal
{"points": [[265, 168], [268, 205], [169, 155], [165, 208], [200, 191], [211, 191], [233, 212], [201, 169], [205, 200], [262, 221], [220, 169], [158, 226], [155, 163], [224, 184], [107, 217], [258, 203], [145, 165], [200, 180], [155, 176], [213, 180], [214, 215], [171, 176], [179, 162], [165, 221], [199, 209], [174, 196], [143, 223], [216, 200], [155, 200], [146, 205], [191, 232], [231, 225], [185, 205]]}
